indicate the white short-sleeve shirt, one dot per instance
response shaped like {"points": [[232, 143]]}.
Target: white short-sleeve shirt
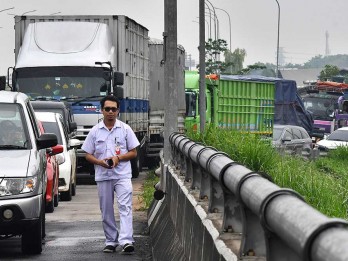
{"points": [[102, 143]]}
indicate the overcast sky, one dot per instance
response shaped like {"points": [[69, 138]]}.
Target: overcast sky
{"points": [[303, 24]]}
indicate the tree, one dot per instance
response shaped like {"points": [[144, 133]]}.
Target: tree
{"points": [[319, 61], [213, 49], [235, 60], [328, 72]]}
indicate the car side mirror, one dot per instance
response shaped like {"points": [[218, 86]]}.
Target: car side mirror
{"points": [[74, 143]]}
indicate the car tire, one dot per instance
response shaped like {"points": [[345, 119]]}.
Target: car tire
{"points": [[56, 200], [33, 235], [67, 195], [50, 205], [73, 189], [73, 192]]}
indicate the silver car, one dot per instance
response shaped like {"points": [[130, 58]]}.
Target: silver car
{"points": [[23, 172], [292, 138]]}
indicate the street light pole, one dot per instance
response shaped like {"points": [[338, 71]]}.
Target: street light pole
{"points": [[278, 38], [229, 20], [6, 9], [207, 26], [207, 6]]}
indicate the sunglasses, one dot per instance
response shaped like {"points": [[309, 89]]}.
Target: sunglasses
{"points": [[113, 109]]}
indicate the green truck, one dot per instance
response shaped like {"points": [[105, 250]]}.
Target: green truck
{"points": [[246, 103]]}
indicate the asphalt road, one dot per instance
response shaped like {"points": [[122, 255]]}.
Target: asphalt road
{"points": [[74, 230]]}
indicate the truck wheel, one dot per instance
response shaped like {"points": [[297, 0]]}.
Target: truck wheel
{"points": [[135, 170], [152, 163], [32, 236], [140, 159]]}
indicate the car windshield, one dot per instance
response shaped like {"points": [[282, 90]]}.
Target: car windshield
{"points": [[277, 132], [340, 135], [52, 127], [13, 132]]}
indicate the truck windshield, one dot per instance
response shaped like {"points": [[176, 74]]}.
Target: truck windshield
{"points": [[322, 106], [60, 82], [191, 100]]}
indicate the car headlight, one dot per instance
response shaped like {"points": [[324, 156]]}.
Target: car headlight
{"points": [[15, 186]]}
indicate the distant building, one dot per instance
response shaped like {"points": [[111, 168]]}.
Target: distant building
{"points": [[190, 64], [302, 76]]}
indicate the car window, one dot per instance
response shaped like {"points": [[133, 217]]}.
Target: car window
{"points": [[304, 134], [341, 135], [296, 134], [277, 132], [287, 135], [13, 128], [64, 129], [52, 127]]}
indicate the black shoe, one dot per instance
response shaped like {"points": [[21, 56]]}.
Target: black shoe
{"points": [[128, 248], [109, 249]]}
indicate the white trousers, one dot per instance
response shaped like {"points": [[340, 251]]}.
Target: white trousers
{"points": [[123, 189]]}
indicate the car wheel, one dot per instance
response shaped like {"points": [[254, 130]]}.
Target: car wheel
{"points": [[32, 236], [67, 195], [73, 192], [56, 200], [50, 205], [73, 189]]}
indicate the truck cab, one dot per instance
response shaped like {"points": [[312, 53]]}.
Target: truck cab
{"points": [[192, 116]]}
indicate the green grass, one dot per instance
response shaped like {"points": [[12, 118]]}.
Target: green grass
{"points": [[322, 183], [147, 195]]}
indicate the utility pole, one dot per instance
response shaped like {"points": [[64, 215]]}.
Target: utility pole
{"points": [[202, 103], [278, 39], [170, 75]]}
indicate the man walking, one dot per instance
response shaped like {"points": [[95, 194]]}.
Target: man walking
{"points": [[110, 146]]}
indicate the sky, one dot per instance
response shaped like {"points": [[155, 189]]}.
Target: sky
{"points": [[253, 27]]}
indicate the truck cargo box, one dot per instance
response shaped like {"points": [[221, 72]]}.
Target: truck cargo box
{"points": [[288, 106]]}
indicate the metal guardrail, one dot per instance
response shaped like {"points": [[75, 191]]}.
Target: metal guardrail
{"points": [[273, 223]]}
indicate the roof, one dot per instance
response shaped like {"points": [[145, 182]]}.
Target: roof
{"points": [[12, 97], [49, 104], [47, 116], [65, 44]]}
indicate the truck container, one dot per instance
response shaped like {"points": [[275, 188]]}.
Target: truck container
{"points": [[247, 103], [157, 99], [80, 59]]}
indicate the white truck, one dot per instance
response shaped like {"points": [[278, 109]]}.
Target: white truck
{"points": [[80, 59]]}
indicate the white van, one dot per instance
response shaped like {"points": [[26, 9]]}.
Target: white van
{"points": [[54, 123]]}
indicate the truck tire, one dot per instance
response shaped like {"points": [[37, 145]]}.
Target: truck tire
{"points": [[140, 159], [135, 170], [33, 235]]}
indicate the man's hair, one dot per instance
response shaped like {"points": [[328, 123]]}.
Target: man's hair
{"points": [[109, 98]]}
